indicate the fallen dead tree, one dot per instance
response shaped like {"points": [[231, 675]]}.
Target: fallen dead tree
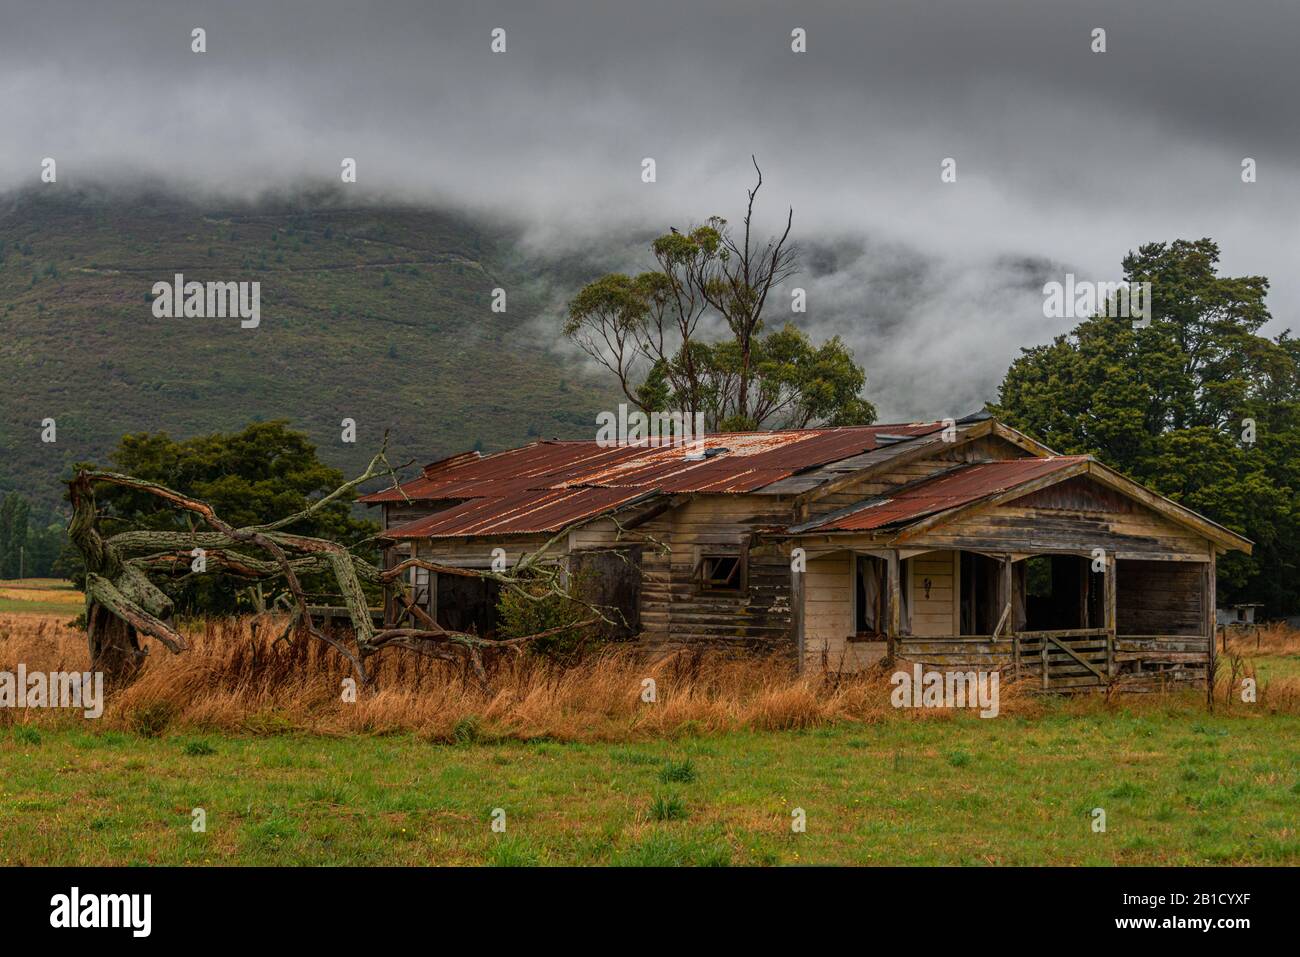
{"points": [[125, 600]]}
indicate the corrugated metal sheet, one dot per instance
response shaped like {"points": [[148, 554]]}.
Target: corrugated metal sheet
{"points": [[515, 492], [526, 512], [946, 491]]}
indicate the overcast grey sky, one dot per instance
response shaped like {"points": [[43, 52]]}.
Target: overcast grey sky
{"points": [[1066, 159]]}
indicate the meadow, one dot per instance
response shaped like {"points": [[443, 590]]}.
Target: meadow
{"points": [[40, 596], [574, 767]]}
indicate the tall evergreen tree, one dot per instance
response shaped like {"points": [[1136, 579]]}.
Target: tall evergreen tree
{"points": [[1197, 405]]}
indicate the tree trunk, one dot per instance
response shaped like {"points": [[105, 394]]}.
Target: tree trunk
{"points": [[114, 648]]}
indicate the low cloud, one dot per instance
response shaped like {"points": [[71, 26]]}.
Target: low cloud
{"points": [[1066, 159]]}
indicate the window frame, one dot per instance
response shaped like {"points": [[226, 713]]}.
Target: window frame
{"points": [[707, 553]]}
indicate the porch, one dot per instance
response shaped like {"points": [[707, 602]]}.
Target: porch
{"points": [[1066, 620]]}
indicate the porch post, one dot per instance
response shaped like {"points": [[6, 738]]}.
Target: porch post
{"points": [[1111, 617], [797, 593], [893, 574], [1008, 624], [1209, 579]]}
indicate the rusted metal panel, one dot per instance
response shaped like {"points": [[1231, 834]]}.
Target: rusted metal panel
{"points": [[949, 490], [546, 486], [527, 511], [730, 462]]}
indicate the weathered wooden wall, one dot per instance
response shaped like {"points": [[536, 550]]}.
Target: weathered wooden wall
{"points": [[935, 613], [828, 618], [1160, 609], [1160, 598], [1017, 527]]}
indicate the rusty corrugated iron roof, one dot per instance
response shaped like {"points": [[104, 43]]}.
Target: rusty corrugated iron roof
{"points": [[948, 490], [526, 512], [515, 492]]}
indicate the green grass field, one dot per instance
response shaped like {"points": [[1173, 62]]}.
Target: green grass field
{"points": [[1176, 789], [39, 596]]}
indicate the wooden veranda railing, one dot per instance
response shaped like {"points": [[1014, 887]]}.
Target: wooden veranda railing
{"points": [[1081, 655]]}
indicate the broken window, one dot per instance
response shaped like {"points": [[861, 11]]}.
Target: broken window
{"points": [[420, 593], [721, 572], [870, 613]]}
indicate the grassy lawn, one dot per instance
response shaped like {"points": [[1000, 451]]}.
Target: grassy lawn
{"points": [[1175, 789], [39, 596]]}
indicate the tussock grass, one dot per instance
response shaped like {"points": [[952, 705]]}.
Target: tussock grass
{"points": [[237, 677], [1271, 639]]}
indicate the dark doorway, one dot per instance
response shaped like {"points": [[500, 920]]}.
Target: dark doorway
{"points": [[1063, 592], [610, 578], [980, 605], [468, 604]]}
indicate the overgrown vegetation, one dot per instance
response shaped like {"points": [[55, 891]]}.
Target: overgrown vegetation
{"points": [[255, 476], [535, 608], [237, 676], [256, 732]]}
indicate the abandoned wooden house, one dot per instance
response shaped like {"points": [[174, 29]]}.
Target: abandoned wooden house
{"points": [[966, 546]]}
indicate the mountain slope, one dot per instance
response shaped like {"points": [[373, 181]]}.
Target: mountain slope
{"points": [[379, 315]]}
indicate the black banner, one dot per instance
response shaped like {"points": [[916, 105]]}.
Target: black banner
{"points": [[343, 905]]}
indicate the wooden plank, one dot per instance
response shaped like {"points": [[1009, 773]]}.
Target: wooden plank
{"points": [[1070, 651], [892, 574], [1208, 597], [1110, 611], [797, 602], [952, 514]]}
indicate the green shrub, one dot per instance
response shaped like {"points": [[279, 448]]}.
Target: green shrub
{"points": [[151, 720], [26, 734], [680, 772], [667, 808], [540, 608], [467, 731]]}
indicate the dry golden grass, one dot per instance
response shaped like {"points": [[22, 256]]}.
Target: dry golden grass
{"points": [[236, 677], [1272, 639], [1270, 655]]}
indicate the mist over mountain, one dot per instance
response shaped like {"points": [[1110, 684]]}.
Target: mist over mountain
{"points": [[379, 315], [523, 169]]}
